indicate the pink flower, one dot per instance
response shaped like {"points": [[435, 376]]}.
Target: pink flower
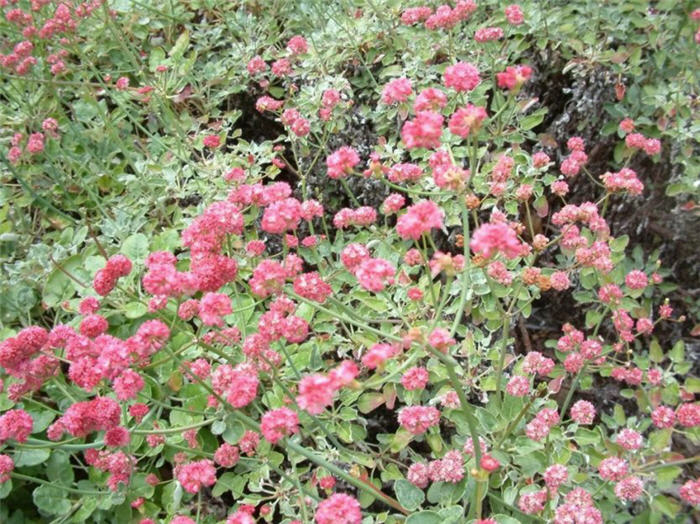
{"points": [[488, 34], [462, 77], [518, 386], [689, 492], [688, 415], [194, 475], [627, 125], [555, 475], [213, 307], [279, 423], [430, 99], [339, 508], [315, 393], [212, 141], [6, 467], [629, 488], [636, 279], [514, 14], [15, 424], [353, 255], [396, 91], [281, 216], [466, 119], [297, 45], [417, 475], [582, 412], [613, 468], [415, 378], [417, 419], [513, 77], [540, 160], [378, 354], [663, 417], [128, 384], [226, 455], [341, 162], [312, 287], [533, 502], [440, 339], [374, 274], [393, 203], [420, 218], [629, 439], [489, 238], [256, 65], [424, 130]]}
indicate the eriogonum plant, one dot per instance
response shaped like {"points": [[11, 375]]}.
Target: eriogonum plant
{"points": [[285, 356]]}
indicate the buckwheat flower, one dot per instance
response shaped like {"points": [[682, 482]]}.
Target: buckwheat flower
{"points": [[297, 45], [256, 65], [440, 339], [518, 386], [689, 492], [213, 307], [424, 130], [577, 514], [559, 280], [378, 354], [417, 419], [488, 34], [405, 173], [194, 475], [128, 384], [122, 83], [688, 414], [397, 91], [414, 294], [243, 387], [469, 446], [281, 67], [315, 393], [582, 412], [490, 238], [555, 475], [663, 417], [413, 15], [353, 255], [629, 439], [613, 468], [466, 120], [266, 103], [417, 475], [420, 218], [514, 14], [462, 77], [636, 279], [430, 99], [7, 465], [249, 442], [343, 374], [560, 188], [117, 437], [485, 521], [533, 502], [226, 455], [652, 146], [240, 517], [15, 424], [627, 125], [489, 463], [629, 488], [374, 274], [415, 378], [341, 162], [339, 508], [312, 287], [393, 203], [212, 141], [279, 423]]}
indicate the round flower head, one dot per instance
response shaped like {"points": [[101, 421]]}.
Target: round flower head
{"points": [[339, 508]]}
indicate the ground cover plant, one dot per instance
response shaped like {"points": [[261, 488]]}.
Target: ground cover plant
{"points": [[350, 262]]}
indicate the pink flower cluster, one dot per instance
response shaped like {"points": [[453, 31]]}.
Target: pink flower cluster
{"points": [[279, 423], [316, 391], [539, 427], [339, 508], [193, 475], [420, 218], [417, 419], [490, 238], [444, 17], [341, 162]]}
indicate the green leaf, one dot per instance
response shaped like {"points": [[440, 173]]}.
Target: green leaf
{"points": [[676, 189], [666, 476], [408, 495], [660, 440], [656, 354], [424, 517], [666, 505], [135, 310], [31, 457], [369, 402], [533, 120], [619, 244], [5, 489], [51, 500], [172, 496], [135, 247], [677, 353], [59, 469]]}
